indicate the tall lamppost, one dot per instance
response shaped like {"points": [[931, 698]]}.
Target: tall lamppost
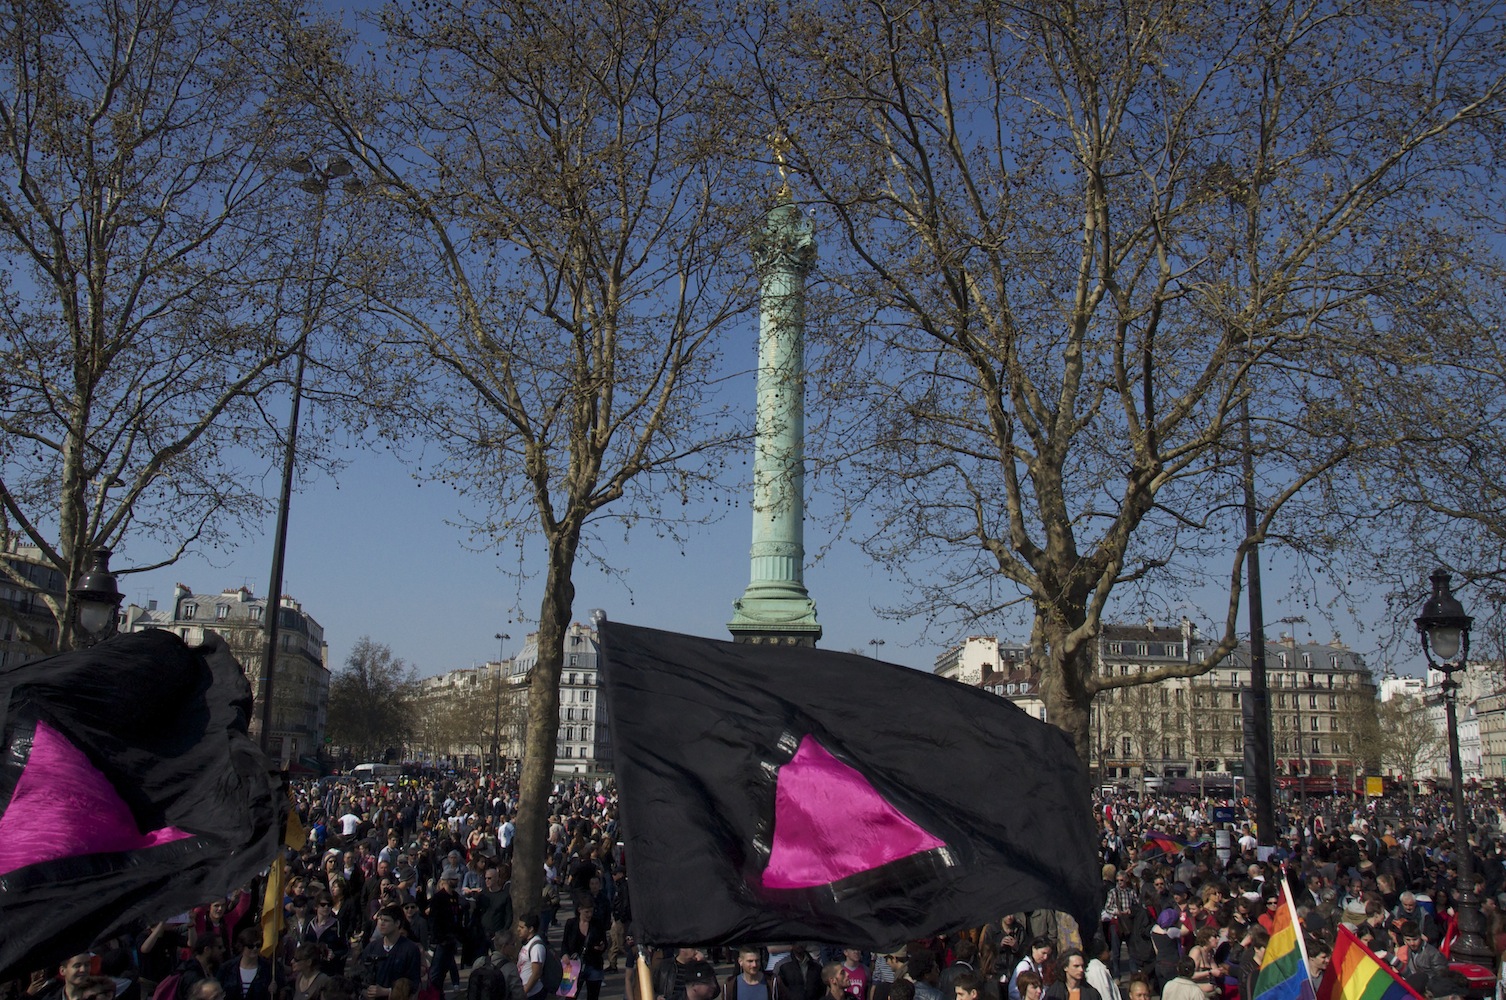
{"points": [[1297, 673], [1444, 628], [501, 638], [96, 601], [874, 644], [316, 181]]}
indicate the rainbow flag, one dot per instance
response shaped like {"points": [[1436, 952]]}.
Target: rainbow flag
{"points": [[1354, 973], [1155, 840], [1283, 972]]}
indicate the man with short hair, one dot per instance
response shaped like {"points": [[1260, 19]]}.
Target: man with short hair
{"points": [[391, 957], [750, 982], [1417, 960], [835, 977], [1407, 909]]}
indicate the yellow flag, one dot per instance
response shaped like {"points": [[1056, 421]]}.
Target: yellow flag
{"points": [[294, 836]]}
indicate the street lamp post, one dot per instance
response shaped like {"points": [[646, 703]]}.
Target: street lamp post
{"points": [[875, 644], [316, 181], [1297, 673], [96, 601], [1444, 628], [501, 638]]}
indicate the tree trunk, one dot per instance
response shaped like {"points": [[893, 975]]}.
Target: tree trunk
{"points": [[1069, 705], [542, 722]]}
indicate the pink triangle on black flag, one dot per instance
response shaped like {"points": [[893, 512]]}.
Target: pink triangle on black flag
{"points": [[830, 824], [63, 807]]}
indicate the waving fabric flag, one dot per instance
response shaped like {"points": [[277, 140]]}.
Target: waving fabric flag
{"points": [[1354, 973], [778, 793], [129, 790], [1165, 843], [1283, 974]]}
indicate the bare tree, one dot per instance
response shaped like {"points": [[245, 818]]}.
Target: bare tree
{"points": [[563, 187], [373, 700], [1085, 243], [1407, 739], [136, 330]]}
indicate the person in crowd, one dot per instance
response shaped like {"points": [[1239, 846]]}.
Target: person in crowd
{"points": [[585, 937]]}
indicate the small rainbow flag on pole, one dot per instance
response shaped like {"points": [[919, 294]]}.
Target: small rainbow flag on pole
{"points": [[1355, 973], [1155, 840], [1283, 972]]}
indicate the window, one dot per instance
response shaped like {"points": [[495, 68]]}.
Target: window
{"points": [[1165, 697], [1312, 701], [1284, 664], [1197, 699], [572, 678], [1307, 661], [1333, 661], [1116, 648], [1333, 723], [574, 662], [1009, 688], [588, 680], [1281, 700], [190, 611], [1315, 745], [1179, 696], [1234, 699], [256, 612], [1333, 703], [1125, 746], [585, 696], [221, 612], [569, 715], [1239, 744], [565, 752], [1313, 724]]}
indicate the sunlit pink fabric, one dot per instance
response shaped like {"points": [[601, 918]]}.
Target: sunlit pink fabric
{"points": [[63, 807], [830, 823]]}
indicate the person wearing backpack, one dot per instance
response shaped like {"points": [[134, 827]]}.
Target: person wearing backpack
{"points": [[532, 957], [494, 976]]}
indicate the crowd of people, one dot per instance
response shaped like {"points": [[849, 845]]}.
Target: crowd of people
{"points": [[403, 892]]}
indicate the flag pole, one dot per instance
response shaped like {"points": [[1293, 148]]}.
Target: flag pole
{"points": [[1291, 911]]}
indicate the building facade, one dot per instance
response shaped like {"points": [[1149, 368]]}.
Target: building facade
{"points": [[1193, 727], [582, 743], [1001, 668], [300, 687], [25, 612]]}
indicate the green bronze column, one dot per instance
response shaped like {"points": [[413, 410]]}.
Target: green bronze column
{"points": [[775, 608]]}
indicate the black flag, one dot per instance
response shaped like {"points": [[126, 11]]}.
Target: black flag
{"points": [[776, 793], [129, 790]]}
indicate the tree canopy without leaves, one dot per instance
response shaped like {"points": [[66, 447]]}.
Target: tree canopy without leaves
{"points": [[1406, 739], [567, 221], [372, 700], [144, 299], [1079, 240]]}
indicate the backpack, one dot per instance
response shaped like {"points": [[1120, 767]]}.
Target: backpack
{"points": [[486, 983], [169, 988], [554, 972]]}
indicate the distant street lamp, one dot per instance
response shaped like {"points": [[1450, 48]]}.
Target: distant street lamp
{"points": [[96, 601], [316, 181], [875, 644], [501, 638], [1444, 628]]}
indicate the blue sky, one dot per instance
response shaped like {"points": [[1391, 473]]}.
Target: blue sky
{"points": [[371, 552]]}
